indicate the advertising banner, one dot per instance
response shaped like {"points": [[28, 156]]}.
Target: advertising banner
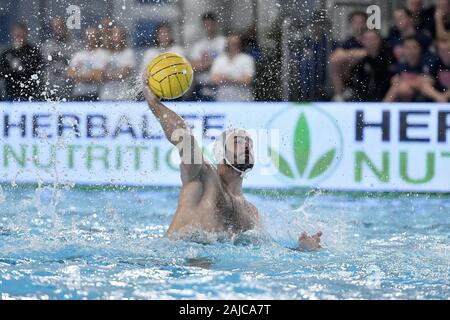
{"points": [[335, 146]]}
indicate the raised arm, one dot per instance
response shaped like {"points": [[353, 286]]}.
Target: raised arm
{"points": [[179, 134], [441, 32]]}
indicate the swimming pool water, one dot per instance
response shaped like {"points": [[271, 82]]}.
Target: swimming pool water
{"points": [[83, 244]]}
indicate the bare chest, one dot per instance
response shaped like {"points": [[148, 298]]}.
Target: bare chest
{"points": [[208, 203], [235, 213]]}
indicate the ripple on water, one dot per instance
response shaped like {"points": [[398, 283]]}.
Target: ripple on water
{"points": [[111, 245]]}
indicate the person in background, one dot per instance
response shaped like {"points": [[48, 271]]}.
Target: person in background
{"points": [[438, 86], [439, 11], [347, 55], [21, 67], [233, 72], [164, 42], [408, 83], [417, 11], [313, 59], [86, 68], [203, 54], [371, 76], [211, 199], [250, 43], [105, 33], [57, 52], [404, 28], [442, 21], [118, 72]]}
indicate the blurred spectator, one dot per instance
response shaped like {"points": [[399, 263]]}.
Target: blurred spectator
{"points": [[57, 52], [410, 76], [404, 28], [250, 43], [371, 76], [164, 43], [86, 68], [21, 67], [313, 59], [417, 11], [117, 75], [438, 89], [105, 33], [233, 72], [429, 24], [350, 52], [204, 52], [442, 21]]}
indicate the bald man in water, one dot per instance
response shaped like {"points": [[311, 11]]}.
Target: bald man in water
{"points": [[211, 199]]}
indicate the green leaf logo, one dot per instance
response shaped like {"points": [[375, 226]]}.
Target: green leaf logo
{"points": [[322, 164], [281, 163], [302, 154], [302, 144]]}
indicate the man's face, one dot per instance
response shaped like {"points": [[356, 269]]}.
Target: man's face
{"points": [[414, 6], [402, 20], [19, 35], [92, 37], [358, 24], [210, 26], [371, 42], [443, 5], [239, 150], [59, 28], [164, 37], [234, 45], [106, 23], [104, 33], [116, 35], [412, 51]]}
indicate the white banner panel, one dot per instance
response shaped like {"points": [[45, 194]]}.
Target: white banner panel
{"points": [[348, 146]]}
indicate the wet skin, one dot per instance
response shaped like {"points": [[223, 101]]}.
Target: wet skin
{"points": [[211, 199]]}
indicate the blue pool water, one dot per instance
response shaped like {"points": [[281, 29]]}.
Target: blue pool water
{"points": [[90, 244]]}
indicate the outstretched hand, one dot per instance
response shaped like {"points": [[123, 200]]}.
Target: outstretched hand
{"points": [[148, 93], [309, 243]]}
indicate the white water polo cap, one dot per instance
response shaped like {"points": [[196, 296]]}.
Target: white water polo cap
{"points": [[222, 153]]}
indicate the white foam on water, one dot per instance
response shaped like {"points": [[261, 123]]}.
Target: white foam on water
{"points": [[285, 225], [2, 195]]}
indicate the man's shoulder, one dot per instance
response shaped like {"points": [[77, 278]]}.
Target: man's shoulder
{"points": [[221, 39], [209, 168], [250, 205], [80, 54], [200, 43], [153, 51], [394, 33], [351, 43], [177, 49], [222, 59], [245, 58], [102, 53], [126, 55], [205, 42]]}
